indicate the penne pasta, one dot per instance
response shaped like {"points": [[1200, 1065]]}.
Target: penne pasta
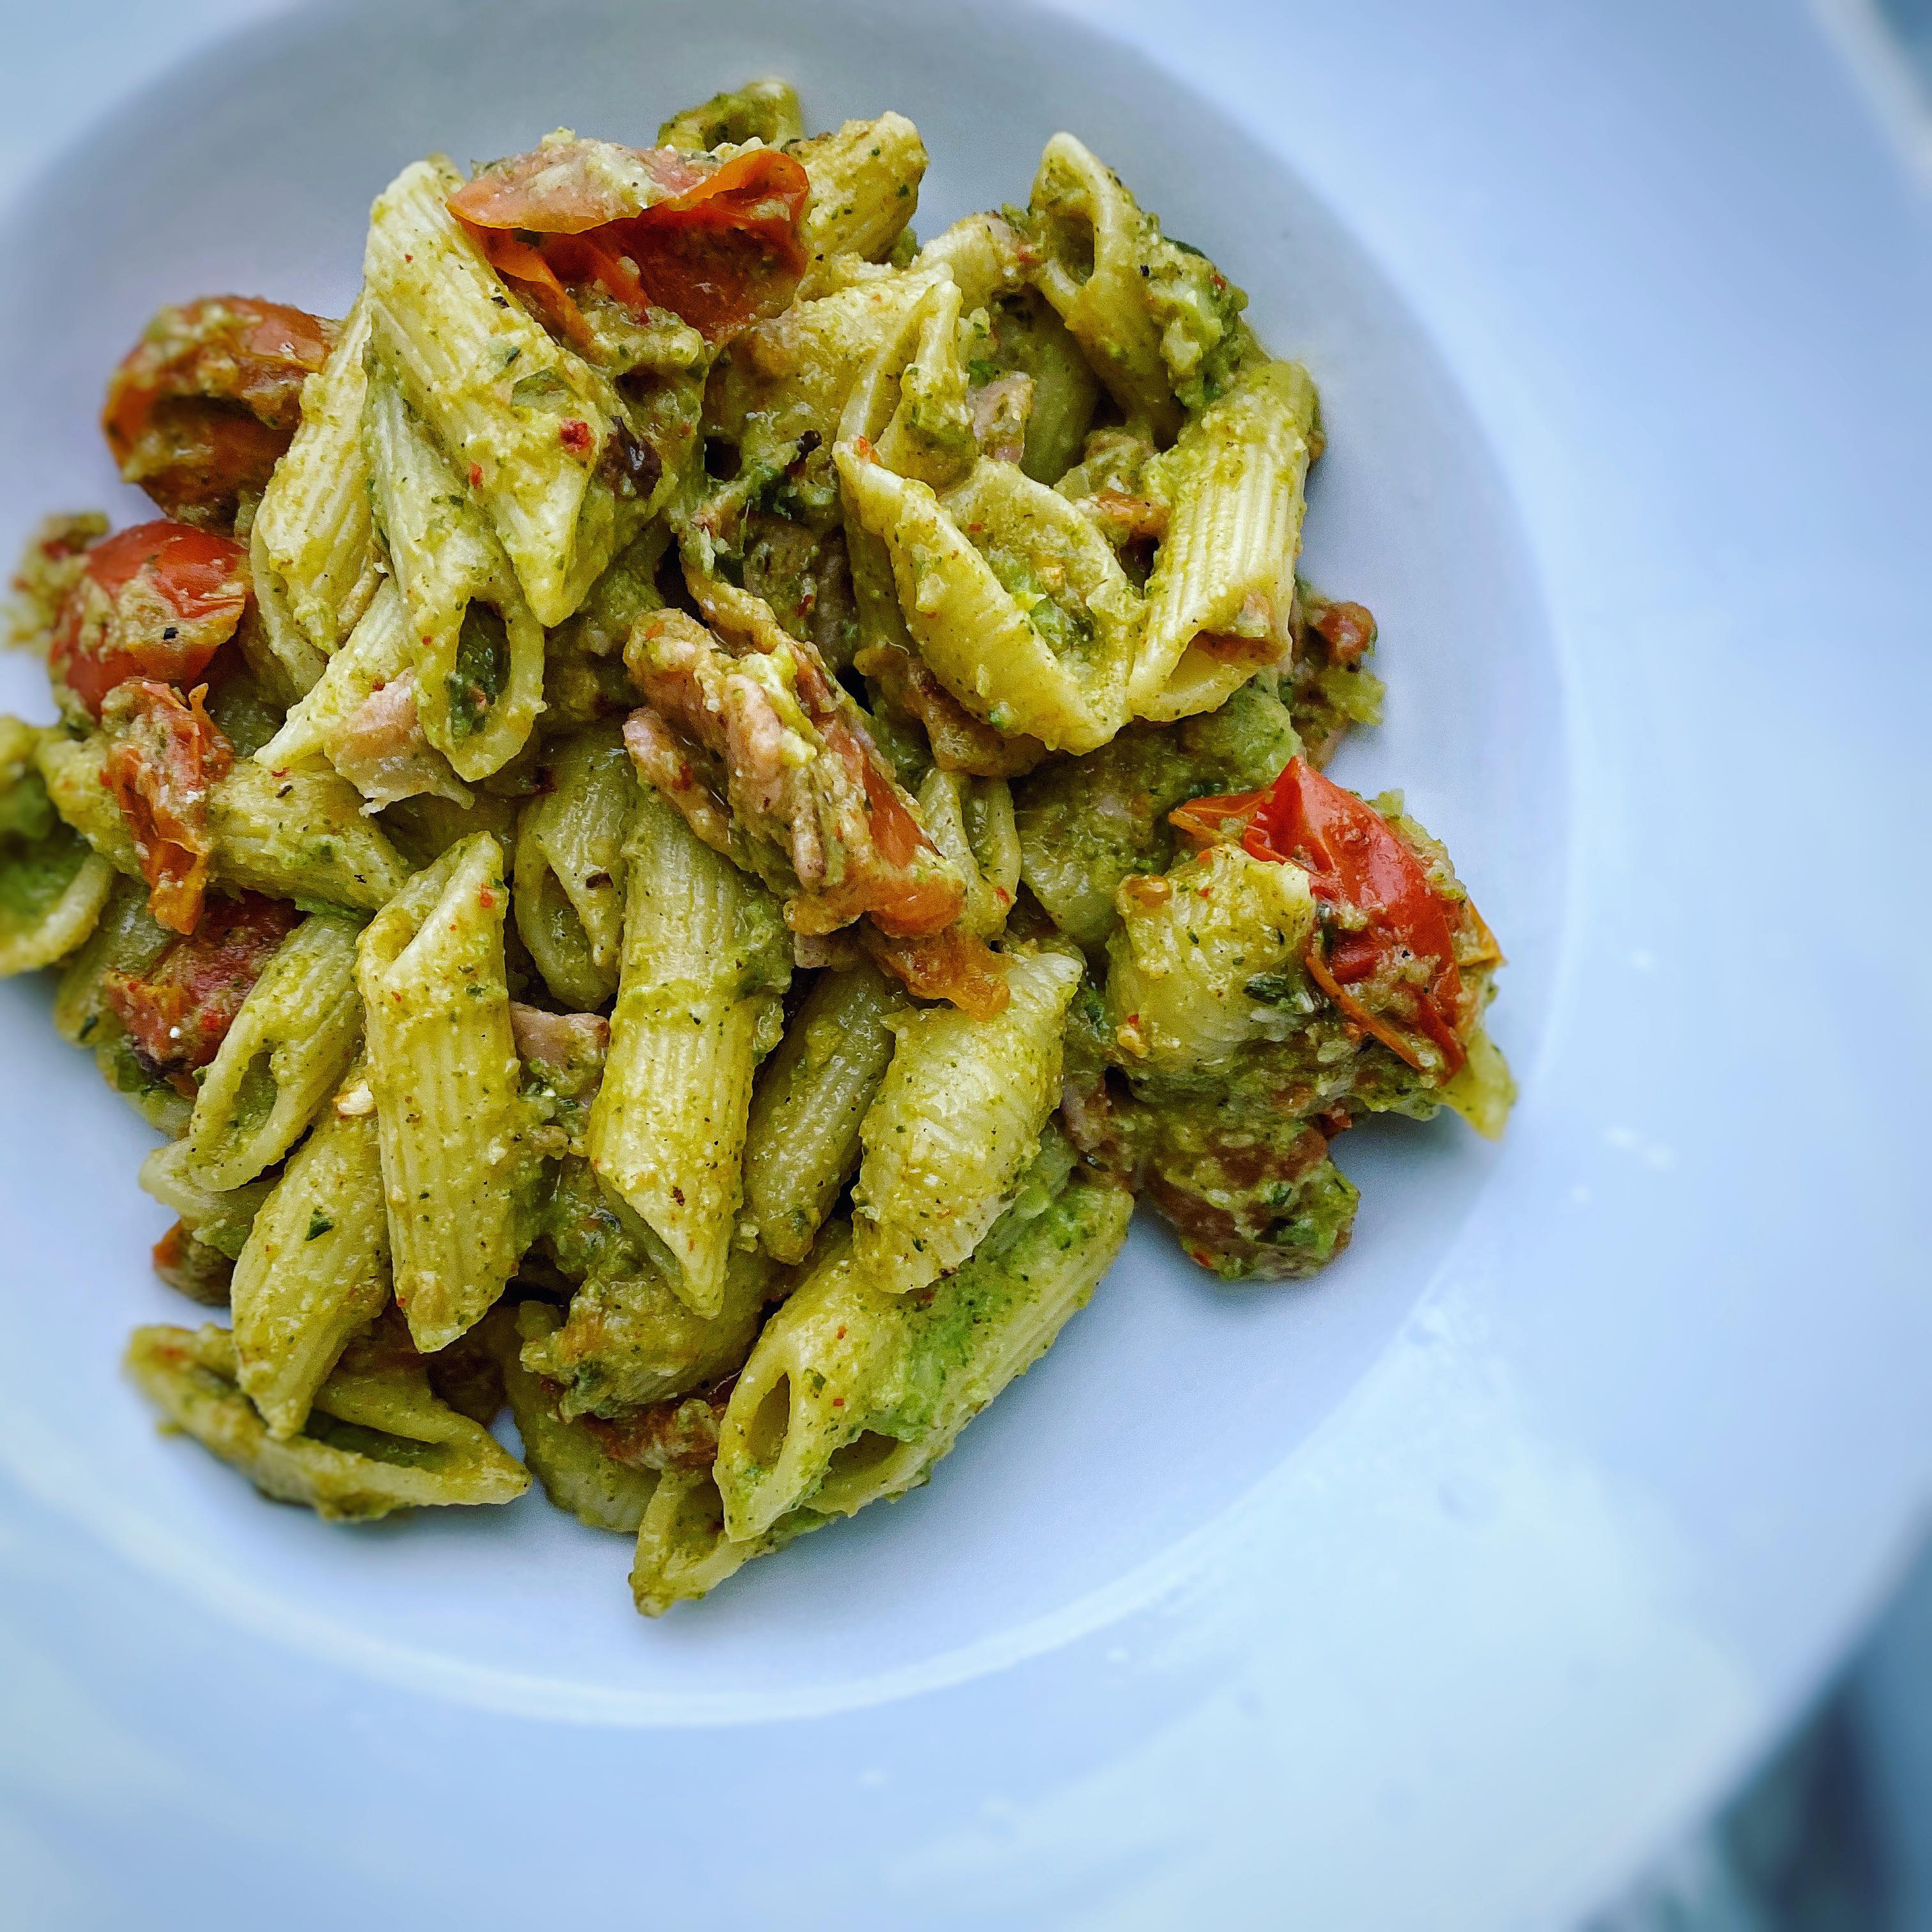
{"points": [[53, 887], [705, 960], [476, 650], [957, 1119], [1160, 324], [295, 833], [444, 1072], [314, 538], [219, 1217], [377, 1440], [378, 747], [802, 1142], [1218, 599], [864, 187], [498, 396], [314, 1270], [283, 1053], [1029, 621], [853, 1393], [569, 891]]}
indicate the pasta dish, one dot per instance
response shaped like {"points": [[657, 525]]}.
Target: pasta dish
{"points": [[676, 815]]}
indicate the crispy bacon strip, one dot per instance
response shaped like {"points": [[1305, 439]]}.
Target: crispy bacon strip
{"points": [[156, 600], [558, 1040], [204, 405], [757, 739], [165, 753], [381, 749], [178, 1012], [717, 244]]}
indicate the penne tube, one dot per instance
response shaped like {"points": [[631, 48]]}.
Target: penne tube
{"points": [[957, 1119], [523, 421], [314, 539], [282, 1054], [864, 187], [377, 1440], [569, 892], [1015, 601], [1223, 581], [476, 648], [802, 1144], [444, 1071], [314, 1270], [292, 834], [53, 887], [852, 1394], [706, 958]]}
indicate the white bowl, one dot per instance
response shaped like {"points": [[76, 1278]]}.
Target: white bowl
{"points": [[1432, 1593]]}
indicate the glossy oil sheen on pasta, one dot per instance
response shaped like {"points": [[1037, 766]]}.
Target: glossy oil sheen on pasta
{"points": [[680, 812]]}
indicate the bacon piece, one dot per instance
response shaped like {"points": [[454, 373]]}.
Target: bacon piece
{"points": [[164, 756], [558, 1040], [202, 408], [1347, 630], [1001, 409], [177, 1013], [792, 763], [380, 748]]}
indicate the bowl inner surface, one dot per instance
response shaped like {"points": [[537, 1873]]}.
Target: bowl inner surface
{"points": [[252, 171]]}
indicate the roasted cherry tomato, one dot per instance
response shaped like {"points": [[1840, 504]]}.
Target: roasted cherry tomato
{"points": [[158, 601], [717, 246], [1354, 861], [205, 404], [177, 1013], [165, 753]]}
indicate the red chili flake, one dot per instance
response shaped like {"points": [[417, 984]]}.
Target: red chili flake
{"points": [[838, 1402], [485, 898], [575, 436], [476, 476]]}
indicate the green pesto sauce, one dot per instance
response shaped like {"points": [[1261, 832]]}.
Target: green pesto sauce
{"points": [[1086, 823], [482, 670], [34, 872], [1066, 627]]}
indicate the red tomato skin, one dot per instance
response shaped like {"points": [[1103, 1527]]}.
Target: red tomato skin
{"points": [[1353, 859], [156, 600], [178, 1012], [164, 755], [201, 408], [721, 251]]}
